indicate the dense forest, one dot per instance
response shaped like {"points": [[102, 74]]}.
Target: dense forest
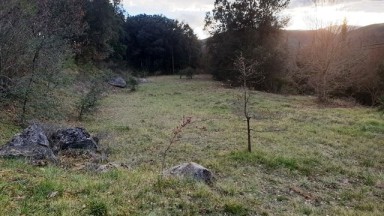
{"points": [[47, 45], [41, 42]]}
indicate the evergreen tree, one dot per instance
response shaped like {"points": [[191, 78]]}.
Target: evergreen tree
{"points": [[103, 35], [156, 43], [247, 26]]}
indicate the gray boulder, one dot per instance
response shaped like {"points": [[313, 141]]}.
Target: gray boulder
{"points": [[191, 171], [118, 82], [31, 143], [72, 138], [142, 80]]}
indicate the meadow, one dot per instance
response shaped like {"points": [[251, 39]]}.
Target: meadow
{"points": [[307, 159]]}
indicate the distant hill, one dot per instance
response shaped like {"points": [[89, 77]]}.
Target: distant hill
{"points": [[368, 38], [371, 36]]}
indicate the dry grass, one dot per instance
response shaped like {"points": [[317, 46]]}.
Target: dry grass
{"points": [[307, 160]]}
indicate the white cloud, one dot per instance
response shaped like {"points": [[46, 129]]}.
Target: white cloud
{"points": [[191, 12], [357, 12]]}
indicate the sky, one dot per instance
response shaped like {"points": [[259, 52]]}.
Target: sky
{"points": [[303, 14]]}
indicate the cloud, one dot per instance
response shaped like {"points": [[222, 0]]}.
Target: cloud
{"points": [[366, 6], [302, 12], [357, 13], [192, 11]]}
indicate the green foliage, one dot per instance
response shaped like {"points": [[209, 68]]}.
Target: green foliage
{"points": [[102, 38], [235, 209], [381, 104], [250, 27], [157, 43], [42, 190], [187, 72], [303, 165], [90, 99], [380, 72], [97, 208], [345, 163], [373, 127], [307, 211], [34, 44], [133, 83]]}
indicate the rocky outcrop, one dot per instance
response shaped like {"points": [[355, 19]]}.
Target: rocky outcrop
{"points": [[192, 171], [72, 138], [118, 82], [31, 143]]}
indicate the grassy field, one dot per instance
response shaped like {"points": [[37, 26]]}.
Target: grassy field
{"points": [[307, 159]]}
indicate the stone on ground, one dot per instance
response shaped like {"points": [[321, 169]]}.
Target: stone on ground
{"points": [[191, 171], [72, 138], [118, 82], [30, 143]]}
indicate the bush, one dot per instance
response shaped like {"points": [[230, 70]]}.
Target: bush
{"points": [[133, 83], [381, 104], [235, 209], [187, 72], [89, 101], [97, 208]]}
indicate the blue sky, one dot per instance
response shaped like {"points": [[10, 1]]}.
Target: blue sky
{"points": [[303, 13]]}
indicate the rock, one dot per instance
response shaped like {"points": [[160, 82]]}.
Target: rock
{"points": [[31, 143], [118, 82], [53, 194], [142, 80], [102, 168], [72, 138], [193, 171], [41, 145]]}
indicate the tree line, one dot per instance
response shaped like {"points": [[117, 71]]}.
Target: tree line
{"points": [[332, 64], [40, 39]]}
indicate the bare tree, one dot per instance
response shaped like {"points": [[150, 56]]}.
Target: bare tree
{"points": [[248, 70], [328, 61], [173, 139]]}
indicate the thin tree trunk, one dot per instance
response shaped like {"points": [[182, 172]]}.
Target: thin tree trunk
{"points": [[173, 62], [246, 114], [249, 134], [1, 61], [29, 86]]}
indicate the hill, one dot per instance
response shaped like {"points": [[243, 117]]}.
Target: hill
{"points": [[367, 36], [307, 159]]}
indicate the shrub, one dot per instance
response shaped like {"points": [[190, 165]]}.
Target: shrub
{"points": [[97, 208], [187, 72], [381, 104], [235, 209], [89, 101], [133, 83]]}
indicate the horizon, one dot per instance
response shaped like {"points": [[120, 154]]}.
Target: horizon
{"points": [[303, 14]]}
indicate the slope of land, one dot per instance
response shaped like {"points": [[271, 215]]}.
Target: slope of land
{"points": [[307, 159], [366, 37]]}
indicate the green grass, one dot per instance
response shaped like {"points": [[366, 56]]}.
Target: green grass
{"points": [[307, 159]]}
